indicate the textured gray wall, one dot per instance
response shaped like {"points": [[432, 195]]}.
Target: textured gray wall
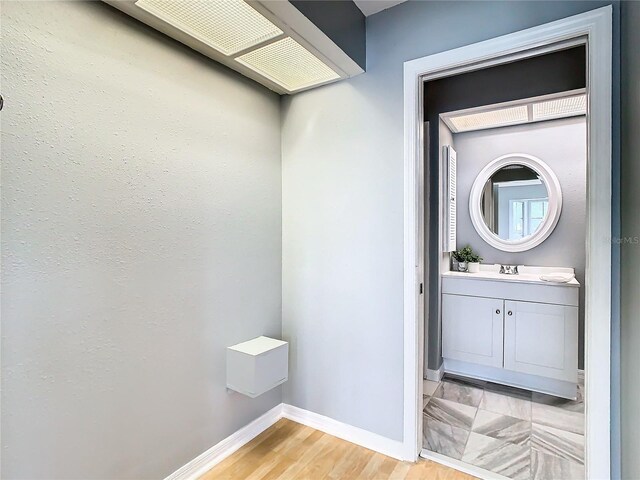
{"points": [[630, 277], [561, 144], [343, 210], [141, 235]]}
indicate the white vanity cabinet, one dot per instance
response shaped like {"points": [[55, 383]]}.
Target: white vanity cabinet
{"points": [[517, 331]]}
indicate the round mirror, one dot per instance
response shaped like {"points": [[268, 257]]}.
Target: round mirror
{"points": [[515, 202]]}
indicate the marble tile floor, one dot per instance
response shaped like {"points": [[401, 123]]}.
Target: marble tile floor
{"points": [[516, 433]]}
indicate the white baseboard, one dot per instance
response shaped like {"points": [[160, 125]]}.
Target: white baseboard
{"points": [[435, 375], [364, 438], [207, 460], [461, 466]]}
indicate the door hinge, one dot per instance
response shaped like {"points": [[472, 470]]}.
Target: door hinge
{"points": [[421, 289]]}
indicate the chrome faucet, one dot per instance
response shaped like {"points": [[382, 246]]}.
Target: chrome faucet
{"points": [[509, 269]]}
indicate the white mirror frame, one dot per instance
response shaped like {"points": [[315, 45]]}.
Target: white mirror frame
{"points": [[553, 213]]}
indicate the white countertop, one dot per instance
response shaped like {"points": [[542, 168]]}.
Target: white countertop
{"points": [[526, 275]]}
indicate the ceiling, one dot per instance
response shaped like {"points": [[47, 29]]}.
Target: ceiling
{"points": [[369, 7]]}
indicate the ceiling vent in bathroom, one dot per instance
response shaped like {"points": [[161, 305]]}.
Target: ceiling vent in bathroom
{"points": [[548, 107], [271, 42], [560, 107], [490, 118]]}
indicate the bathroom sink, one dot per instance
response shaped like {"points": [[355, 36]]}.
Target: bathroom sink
{"points": [[527, 274]]}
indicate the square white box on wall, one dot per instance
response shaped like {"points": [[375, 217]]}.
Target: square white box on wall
{"points": [[256, 366]]}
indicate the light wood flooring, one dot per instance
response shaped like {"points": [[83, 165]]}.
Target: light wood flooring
{"points": [[289, 450]]}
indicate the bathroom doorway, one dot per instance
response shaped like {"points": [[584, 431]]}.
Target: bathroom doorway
{"points": [[505, 393], [588, 35]]}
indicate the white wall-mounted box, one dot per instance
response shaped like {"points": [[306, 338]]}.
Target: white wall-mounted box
{"points": [[258, 365]]}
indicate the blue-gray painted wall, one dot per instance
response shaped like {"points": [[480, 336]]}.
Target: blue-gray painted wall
{"points": [[626, 387]]}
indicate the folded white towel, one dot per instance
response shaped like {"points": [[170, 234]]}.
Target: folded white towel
{"points": [[558, 277]]}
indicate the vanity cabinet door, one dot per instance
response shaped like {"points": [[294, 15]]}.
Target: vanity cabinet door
{"points": [[472, 329], [541, 339]]}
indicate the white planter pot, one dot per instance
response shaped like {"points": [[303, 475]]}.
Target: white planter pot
{"points": [[474, 267]]}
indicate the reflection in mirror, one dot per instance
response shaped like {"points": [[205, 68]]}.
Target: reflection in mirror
{"points": [[514, 202]]}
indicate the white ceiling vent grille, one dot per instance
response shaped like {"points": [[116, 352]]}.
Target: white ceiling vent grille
{"points": [[490, 119], [229, 26], [560, 108], [289, 64], [547, 107], [269, 41]]}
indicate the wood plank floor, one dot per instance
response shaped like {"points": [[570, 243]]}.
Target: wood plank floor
{"points": [[289, 450]]}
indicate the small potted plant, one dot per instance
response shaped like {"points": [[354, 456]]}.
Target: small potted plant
{"points": [[460, 256], [467, 260], [473, 262]]}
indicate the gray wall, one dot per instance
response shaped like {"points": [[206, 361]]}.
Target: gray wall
{"points": [[343, 210], [561, 144], [141, 235], [630, 277], [433, 310]]}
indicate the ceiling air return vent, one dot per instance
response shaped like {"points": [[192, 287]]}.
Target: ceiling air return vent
{"points": [[289, 64], [229, 26], [548, 107], [560, 107], [490, 119], [271, 42]]}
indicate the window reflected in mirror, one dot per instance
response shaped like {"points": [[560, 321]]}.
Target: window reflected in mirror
{"points": [[514, 202]]}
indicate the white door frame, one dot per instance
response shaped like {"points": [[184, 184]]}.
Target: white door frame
{"points": [[595, 29]]}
